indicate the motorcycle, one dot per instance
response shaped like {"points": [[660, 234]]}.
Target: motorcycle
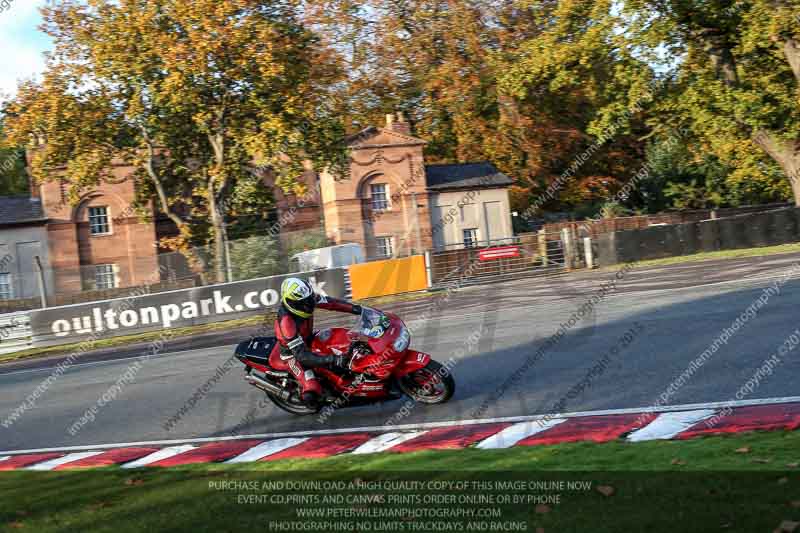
{"points": [[381, 367]]}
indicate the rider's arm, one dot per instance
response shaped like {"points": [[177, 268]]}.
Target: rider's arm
{"points": [[334, 304]]}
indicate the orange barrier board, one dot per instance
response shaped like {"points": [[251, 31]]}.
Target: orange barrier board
{"points": [[390, 276]]}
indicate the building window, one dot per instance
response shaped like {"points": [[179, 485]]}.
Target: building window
{"points": [[383, 246], [378, 196], [98, 221], [105, 277], [471, 238], [6, 288]]}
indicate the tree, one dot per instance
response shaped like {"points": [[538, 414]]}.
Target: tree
{"points": [[257, 256], [738, 77], [300, 241], [728, 70], [13, 176], [454, 68], [681, 177], [563, 79], [193, 94]]}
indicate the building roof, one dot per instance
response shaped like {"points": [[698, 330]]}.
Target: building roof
{"points": [[366, 138], [20, 210], [465, 176]]}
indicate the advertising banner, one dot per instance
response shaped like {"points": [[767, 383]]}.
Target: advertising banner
{"points": [[138, 312]]}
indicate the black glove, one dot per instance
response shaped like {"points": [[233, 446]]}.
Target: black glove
{"points": [[356, 309]]}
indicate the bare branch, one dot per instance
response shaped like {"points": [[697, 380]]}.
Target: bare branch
{"points": [[159, 185]]}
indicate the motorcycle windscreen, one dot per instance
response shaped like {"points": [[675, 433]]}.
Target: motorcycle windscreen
{"points": [[372, 323]]}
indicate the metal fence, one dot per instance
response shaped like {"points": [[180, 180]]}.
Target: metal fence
{"points": [[595, 227], [248, 258], [15, 332], [526, 255]]}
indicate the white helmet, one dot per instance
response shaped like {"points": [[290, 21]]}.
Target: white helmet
{"points": [[298, 297]]}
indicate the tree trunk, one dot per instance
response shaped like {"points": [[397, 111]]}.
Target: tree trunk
{"points": [[790, 163], [786, 154], [220, 236], [216, 199], [183, 225]]}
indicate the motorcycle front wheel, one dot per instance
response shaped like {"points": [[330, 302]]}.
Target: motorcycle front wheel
{"points": [[432, 384]]}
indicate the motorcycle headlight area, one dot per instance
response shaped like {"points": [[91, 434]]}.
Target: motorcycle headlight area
{"points": [[402, 341]]}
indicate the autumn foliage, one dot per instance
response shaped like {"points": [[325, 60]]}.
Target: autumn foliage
{"points": [[196, 94]]}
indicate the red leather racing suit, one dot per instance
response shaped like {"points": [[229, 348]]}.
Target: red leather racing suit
{"points": [[295, 334]]}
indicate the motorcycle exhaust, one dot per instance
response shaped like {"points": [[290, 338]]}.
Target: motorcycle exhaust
{"points": [[266, 386]]}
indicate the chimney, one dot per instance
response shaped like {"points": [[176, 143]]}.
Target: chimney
{"points": [[398, 124]]}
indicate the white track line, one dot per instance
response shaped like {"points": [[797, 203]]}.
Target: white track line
{"points": [[4, 458], [265, 449], [513, 434], [58, 461], [667, 425], [381, 443], [413, 427], [165, 453]]}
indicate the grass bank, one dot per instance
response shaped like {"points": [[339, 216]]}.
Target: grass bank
{"points": [[746, 483]]}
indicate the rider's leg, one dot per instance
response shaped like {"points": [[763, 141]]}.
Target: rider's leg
{"points": [[310, 389]]}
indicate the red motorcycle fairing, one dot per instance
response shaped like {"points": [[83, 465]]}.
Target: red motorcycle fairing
{"points": [[331, 341], [379, 364], [337, 341], [414, 361], [376, 367], [256, 366], [358, 387]]}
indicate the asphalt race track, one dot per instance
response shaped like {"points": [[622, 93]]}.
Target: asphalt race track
{"points": [[674, 314]]}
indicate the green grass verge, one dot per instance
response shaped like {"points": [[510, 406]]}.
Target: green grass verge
{"points": [[721, 254], [747, 482]]}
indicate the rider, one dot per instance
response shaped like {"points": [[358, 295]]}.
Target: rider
{"points": [[294, 329]]}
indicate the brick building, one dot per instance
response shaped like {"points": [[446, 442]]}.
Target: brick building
{"points": [[390, 202], [99, 243], [383, 202], [393, 203]]}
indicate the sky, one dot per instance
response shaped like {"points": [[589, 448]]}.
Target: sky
{"points": [[21, 44]]}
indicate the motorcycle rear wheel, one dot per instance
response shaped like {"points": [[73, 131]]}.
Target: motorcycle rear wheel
{"points": [[294, 405], [431, 385]]}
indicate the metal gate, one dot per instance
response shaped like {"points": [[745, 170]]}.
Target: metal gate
{"points": [[15, 332], [523, 256]]}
